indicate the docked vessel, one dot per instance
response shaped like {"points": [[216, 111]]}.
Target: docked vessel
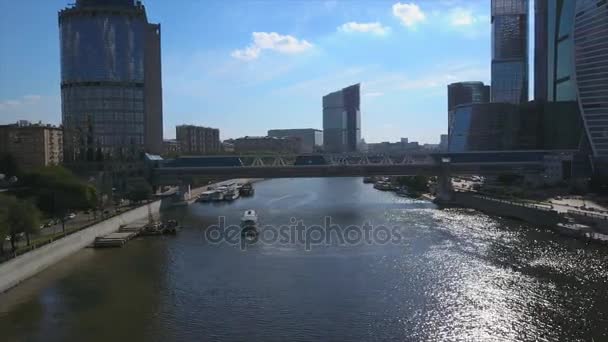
{"points": [[231, 194], [368, 180], [384, 186], [205, 196], [171, 227], [247, 190], [152, 228], [249, 224], [217, 195]]}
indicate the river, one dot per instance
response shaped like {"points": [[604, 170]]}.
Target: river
{"points": [[425, 274]]}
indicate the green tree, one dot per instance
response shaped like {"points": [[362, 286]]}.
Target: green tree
{"points": [[139, 191], [3, 224], [21, 217], [58, 192], [8, 165]]}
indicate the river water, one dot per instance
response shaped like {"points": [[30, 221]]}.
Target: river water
{"points": [[444, 275]]}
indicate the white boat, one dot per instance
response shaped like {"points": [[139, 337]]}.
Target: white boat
{"points": [[249, 219], [205, 196], [217, 195], [246, 189], [385, 186], [231, 194]]}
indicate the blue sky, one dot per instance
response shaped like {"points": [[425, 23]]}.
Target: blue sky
{"points": [[252, 65]]}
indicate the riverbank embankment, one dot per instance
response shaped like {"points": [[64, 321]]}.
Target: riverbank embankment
{"points": [[571, 223], [22, 267]]}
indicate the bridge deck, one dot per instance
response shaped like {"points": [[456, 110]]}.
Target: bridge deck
{"points": [[176, 175]]}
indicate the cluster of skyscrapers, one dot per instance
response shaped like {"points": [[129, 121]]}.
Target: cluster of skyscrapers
{"points": [[570, 107], [111, 86]]}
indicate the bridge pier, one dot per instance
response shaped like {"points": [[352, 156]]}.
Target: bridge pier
{"points": [[445, 190], [184, 192]]}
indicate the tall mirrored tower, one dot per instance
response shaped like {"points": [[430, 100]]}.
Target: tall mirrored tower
{"points": [[103, 80], [509, 51]]}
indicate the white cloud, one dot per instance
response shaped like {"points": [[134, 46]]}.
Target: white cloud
{"points": [[462, 17], [409, 14], [284, 44], [374, 28], [246, 54], [26, 99]]}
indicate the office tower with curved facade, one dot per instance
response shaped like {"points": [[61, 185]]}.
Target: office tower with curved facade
{"points": [[460, 93], [554, 79], [110, 80], [509, 51], [591, 68]]}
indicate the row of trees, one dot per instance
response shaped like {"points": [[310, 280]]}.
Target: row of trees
{"points": [[52, 192], [57, 192], [17, 217]]}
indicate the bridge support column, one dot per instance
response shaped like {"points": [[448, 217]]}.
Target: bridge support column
{"points": [[184, 192], [445, 190]]}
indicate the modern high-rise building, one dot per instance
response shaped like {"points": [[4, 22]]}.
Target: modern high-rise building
{"points": [[110, 81], [506, 126], [198, 140], [153, 91], [591, 74], [342, 120], [541, 41], [443, 142], [554, 79], [467, 92], [509, 51], [460, 93]]}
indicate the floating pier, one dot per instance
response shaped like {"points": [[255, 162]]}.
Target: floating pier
{"points": [[114, 239], [130, 231]]}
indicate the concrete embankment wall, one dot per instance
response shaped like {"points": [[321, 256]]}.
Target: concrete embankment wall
{"points": [[531, 214], [27, 265], [599, 221]]}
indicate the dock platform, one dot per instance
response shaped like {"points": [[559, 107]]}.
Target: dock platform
{"points": [[114, 239]]}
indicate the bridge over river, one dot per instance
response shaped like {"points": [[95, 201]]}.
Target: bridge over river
{"points": [[181, 171]]}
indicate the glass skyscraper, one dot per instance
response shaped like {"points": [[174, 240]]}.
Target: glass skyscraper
{"points": [[553, 62], [509, 51], [591, 73], [103, 80], [505, 126], [342, 120], [465, 93]]}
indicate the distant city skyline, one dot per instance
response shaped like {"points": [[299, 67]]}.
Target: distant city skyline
{"points": [[231, 66]]}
